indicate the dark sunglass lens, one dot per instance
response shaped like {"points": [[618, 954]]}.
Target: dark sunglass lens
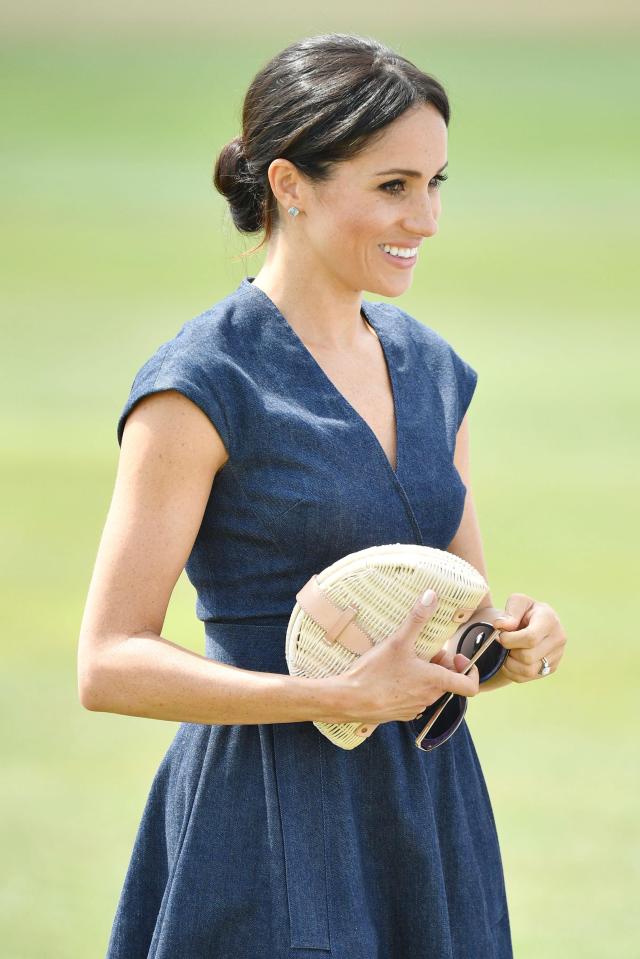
{"points": [[473, 638], [494, 655], [446, 723], [491, 660]]}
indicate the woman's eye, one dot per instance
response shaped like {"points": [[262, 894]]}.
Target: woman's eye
{"points": [[440, 178], [393, 186]]}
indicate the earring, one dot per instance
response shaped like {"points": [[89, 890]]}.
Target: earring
{"points": [[293, 210]]}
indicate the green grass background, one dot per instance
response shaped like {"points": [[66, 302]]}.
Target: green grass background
{"points": [[114, 237]]}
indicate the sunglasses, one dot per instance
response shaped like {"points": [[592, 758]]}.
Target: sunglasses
{"points": [[445, 715]]}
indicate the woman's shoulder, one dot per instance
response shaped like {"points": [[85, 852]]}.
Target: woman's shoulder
{"points": [[429, 353], [202, 360], [402, 325], [202, 341], [215, 331]]}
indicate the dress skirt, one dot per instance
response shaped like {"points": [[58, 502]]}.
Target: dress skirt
{"points": [[270, 841]]}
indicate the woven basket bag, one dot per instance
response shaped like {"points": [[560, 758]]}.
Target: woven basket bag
{"points": [[360, 599]]}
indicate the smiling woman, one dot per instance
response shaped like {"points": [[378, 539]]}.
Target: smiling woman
{"points": [[288, 425], [316, 111], [369, 235]]}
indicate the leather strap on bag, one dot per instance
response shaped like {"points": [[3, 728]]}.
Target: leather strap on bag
{"points": [[339, 624]]}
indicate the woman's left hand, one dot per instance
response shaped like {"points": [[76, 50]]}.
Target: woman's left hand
{"points": [[530, 631]]}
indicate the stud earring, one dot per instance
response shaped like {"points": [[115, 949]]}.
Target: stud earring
{"points": [[293, 210]]}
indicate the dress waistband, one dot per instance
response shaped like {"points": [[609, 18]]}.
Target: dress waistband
{"points": [[248, 645]]}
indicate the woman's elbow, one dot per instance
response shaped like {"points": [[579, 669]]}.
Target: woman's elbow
{"points": [[90, 682], [89, 694]]}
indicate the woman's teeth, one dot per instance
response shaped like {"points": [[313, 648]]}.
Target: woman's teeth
{"points": [[402, 251]]}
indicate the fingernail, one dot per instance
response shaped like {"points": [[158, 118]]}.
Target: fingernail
{"points": [[428, 597], [502, 619]]}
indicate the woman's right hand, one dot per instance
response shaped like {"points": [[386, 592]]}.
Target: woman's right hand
{"points": [[391, 682]]}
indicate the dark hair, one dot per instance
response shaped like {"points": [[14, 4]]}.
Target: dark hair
{"points": [[319, 101]]}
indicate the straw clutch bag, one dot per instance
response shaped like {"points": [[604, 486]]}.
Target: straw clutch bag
{"points": [[359, 600]]}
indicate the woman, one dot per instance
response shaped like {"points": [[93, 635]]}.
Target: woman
{"points": [[288, 425]]}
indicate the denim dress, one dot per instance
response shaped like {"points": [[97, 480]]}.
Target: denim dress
{"points": [[267, 841]]}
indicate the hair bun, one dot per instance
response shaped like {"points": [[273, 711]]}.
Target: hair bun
{"points": [[233, 178]]}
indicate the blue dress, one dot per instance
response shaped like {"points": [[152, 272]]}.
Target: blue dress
{"points": [[266, 841]]}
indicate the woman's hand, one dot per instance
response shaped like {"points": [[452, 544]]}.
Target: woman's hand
{"points": [[391, 682], [530, 631]]}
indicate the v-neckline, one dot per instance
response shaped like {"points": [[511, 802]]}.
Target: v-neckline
{"points": [[384, 346]]}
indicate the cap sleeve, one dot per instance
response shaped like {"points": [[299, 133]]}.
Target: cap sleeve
{"points": [[466, 378], [180, 365]]}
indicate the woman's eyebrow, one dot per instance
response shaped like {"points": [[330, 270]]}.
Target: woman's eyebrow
{"points": [[415, 173]]}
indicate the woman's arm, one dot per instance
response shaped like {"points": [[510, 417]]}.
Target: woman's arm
{"points": [[467, 543], [169, 456]]}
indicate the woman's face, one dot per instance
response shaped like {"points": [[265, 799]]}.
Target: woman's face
{"points": [[368, 204]]}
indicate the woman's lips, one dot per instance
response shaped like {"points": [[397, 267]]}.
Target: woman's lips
{"points": [[401, 262]]}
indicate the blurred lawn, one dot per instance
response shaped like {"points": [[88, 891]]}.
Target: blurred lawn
{"points": [[114, 237]]}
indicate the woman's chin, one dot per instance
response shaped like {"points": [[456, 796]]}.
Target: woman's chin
{"points": [[391, 286]]}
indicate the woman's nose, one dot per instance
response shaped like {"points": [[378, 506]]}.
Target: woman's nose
{"points": [[423, 218]]}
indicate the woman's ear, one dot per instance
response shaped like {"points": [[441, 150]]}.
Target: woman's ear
{"points": [[285, 182]]}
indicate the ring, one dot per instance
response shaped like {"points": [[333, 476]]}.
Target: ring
{"points": [[545, 669]]}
